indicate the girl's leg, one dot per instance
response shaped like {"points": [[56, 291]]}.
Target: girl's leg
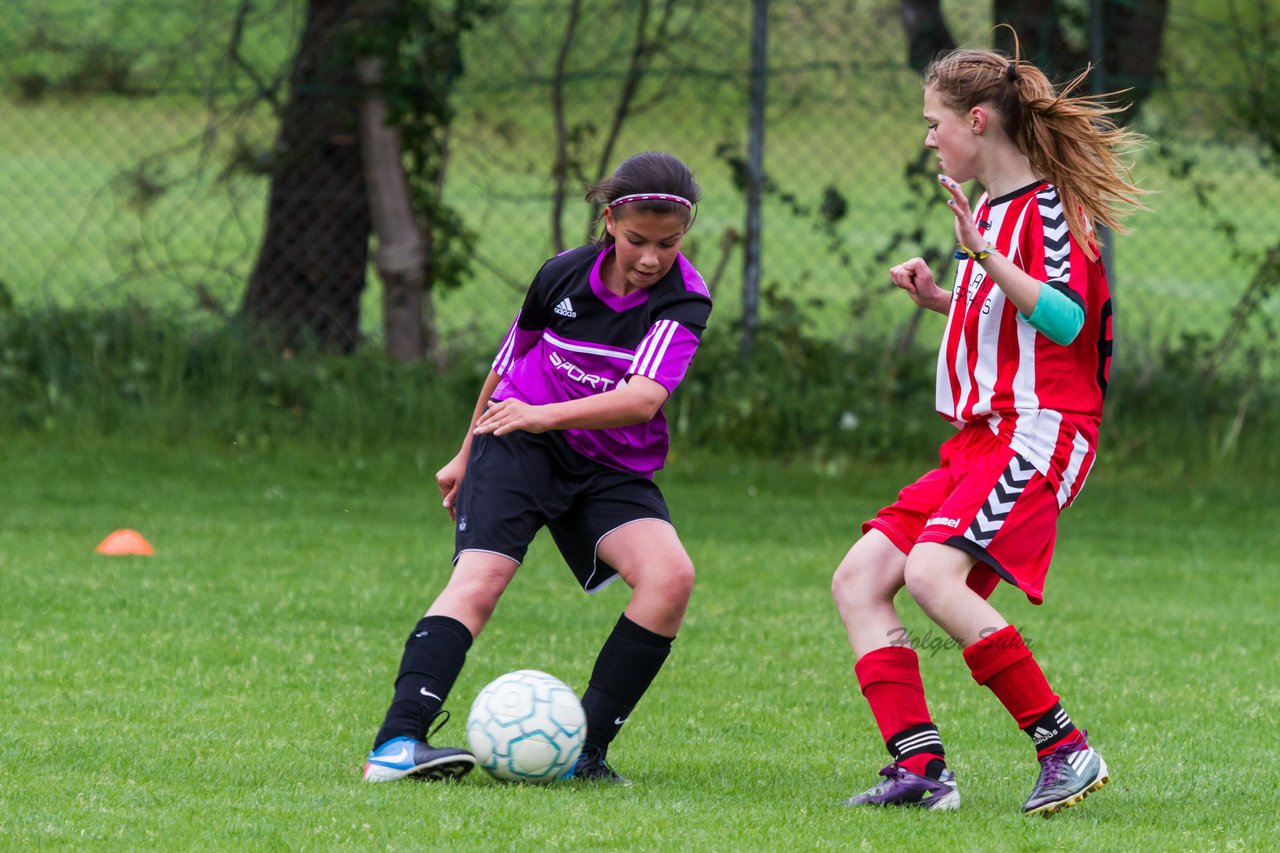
{"points": [[649, 557], [887, 668], [437, 646], [936, 575], [864, 586], [999, 659], [997, 656]]}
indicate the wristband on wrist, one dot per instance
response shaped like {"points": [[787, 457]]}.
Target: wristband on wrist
{"points": [[981, 255]]}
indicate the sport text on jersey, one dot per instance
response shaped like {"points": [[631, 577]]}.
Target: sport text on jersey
{"points": [[577, 374]]}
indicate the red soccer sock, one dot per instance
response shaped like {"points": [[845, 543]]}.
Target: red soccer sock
{"points": [[1003, 663], [890, 679], [1076, 738]]}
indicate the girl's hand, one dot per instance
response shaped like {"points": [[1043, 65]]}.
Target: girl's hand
{"points": [[915, 278], [966, 230], [448, 479], [510, 415]]}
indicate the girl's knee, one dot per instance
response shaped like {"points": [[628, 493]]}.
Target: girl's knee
{"points": [[929, 578], [917, 578], [857, 581], [678, 578], [671, 581]]}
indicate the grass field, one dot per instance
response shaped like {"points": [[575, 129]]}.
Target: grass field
{"points": [[223, 693]]}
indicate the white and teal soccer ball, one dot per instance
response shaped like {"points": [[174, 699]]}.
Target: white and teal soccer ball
{"points": [[526, 726]]}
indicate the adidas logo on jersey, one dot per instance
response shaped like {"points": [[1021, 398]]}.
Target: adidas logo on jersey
{"points": [[565, 308]]}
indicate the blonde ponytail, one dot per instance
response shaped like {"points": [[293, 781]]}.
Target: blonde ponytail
{"points": [[1070, 140]]}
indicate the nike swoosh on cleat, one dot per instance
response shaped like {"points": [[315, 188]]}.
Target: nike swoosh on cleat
{"points": [[425, 692], [391, 759], [617, 721]]}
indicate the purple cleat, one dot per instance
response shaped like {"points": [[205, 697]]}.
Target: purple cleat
{"points": [[1067, 775], [904, 788]]}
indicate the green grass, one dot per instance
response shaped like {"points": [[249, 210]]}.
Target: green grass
{"points": [[223, 693]]}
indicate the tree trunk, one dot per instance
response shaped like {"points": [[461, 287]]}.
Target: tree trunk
{"points": [[306, 284], [1040, 37], [560, 169], [1132, 34], [402, 252], [926, 29], [1133, 42]]}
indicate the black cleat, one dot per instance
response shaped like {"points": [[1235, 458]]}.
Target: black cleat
{"points": [[591, 767]]}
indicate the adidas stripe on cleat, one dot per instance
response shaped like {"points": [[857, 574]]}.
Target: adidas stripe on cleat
{"points": [[1067, 775]]}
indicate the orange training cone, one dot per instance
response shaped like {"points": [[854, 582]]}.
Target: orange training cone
{"points": [[123, 542]]}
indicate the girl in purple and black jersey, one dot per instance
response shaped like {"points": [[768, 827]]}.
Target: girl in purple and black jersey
{"points": [[567, 434]]}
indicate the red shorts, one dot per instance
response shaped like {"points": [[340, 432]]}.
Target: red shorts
{"points": [[989, 502]]}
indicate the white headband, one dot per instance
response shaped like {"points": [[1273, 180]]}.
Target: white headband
{"points": [[678, 199]]}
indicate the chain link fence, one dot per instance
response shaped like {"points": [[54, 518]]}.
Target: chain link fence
{"points": [[140, 136]]}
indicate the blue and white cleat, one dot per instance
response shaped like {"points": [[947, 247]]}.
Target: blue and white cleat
{"points": [[404, 756]]}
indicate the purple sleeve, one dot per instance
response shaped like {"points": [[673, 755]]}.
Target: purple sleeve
{"points": [[665, 354], [517, 342]]}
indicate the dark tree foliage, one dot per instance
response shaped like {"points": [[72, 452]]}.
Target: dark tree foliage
{"points": [[1054, 35]]}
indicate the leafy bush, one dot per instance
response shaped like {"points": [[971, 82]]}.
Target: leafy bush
{"points": [[131, 371], [156, 377]]}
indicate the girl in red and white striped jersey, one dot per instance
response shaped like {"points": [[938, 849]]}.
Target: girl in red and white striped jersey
{"points": [[1022, 371]]}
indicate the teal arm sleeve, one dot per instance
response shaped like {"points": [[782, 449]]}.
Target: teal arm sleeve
{"points": [[1056, 316]]}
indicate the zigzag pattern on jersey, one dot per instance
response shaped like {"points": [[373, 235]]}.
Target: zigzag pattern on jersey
{"points": [[1057, 238], [999, 503]]}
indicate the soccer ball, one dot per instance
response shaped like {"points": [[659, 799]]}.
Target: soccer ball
{"points": [[526, 726]]}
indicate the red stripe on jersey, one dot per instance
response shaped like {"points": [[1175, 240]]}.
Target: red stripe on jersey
{"points": [[1008, 361], [972, 321]]}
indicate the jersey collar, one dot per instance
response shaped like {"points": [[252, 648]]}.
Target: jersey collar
{"points": [[608, 297], [1008, 197]]}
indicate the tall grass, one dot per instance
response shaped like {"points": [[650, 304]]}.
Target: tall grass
{"points": [[129, 371], [149, 375]]}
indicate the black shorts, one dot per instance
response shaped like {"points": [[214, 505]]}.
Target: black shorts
{"points": [[517, 483]]}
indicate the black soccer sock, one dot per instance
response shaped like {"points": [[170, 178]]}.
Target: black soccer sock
{"points": [[628, 663], [1053, 727], [919, 750], [433, 657]]}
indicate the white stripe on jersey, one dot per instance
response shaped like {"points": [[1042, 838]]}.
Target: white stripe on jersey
{"points": [[662, 340], [1079, 450], [662, 353], [1015, 250], [589, 350], [1024, 380], [988, 344], [945, 404], [954, 404], [646, 347], [1035, 436], [502, 362], [649, 353]]}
